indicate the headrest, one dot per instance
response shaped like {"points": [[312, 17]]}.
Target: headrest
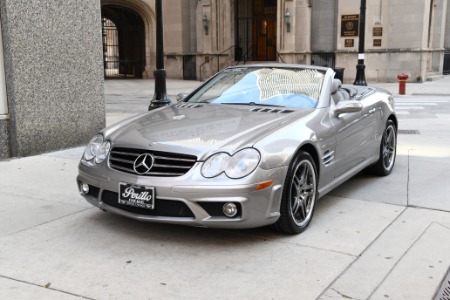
{"points": [[336, 85]]}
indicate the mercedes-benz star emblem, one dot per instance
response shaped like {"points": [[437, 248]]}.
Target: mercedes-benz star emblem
{"points": [[144, 163]]}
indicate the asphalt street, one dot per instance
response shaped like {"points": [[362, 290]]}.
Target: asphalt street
{"points": [[371, 238]]}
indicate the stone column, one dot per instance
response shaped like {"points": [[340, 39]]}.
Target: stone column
{"points": [[54, 73], [295, 46]]}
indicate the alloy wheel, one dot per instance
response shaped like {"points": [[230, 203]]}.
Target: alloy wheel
{"points": [[389, 147], [303, 193]]}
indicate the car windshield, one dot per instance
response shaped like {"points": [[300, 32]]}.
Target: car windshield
{"points": [[296, 88]]}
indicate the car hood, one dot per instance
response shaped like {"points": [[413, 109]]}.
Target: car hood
{"points": [[199, 129]]}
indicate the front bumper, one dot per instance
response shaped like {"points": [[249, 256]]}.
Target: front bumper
{"points": [[189, 200]]}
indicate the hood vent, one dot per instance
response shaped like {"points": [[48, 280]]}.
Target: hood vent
{"points": [[189, 105], [272, 110]]}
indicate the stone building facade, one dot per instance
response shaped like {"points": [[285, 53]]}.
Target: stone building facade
{"points": [[203, 36], [56, 54]]}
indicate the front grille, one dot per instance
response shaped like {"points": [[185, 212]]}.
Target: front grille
{"points": [[163, 208], [165, 164]]}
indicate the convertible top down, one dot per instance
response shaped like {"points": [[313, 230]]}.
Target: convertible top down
{"points": [[252, 146]]}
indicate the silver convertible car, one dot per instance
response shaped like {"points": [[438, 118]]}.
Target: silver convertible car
{"points": [[253, 146]]}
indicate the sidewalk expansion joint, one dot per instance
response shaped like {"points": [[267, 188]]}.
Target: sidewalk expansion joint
{"points": [[400, 259], [47, 222], [270, 239], [47, 286], [42, 200], [407, 178], [342, 295], [361, 254], [428, 208]]}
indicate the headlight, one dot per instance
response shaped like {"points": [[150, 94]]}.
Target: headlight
{"points": [[97, 148], [215, 165], [102, 152], [242, 163], [235, 166]]}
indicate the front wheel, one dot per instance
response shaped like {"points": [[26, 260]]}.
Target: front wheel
{"points": [[388, 151], [299, 195]]}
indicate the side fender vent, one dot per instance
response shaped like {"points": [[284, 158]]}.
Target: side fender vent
{"points": [[327, 157]]}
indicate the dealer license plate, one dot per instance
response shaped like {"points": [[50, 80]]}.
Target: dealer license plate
{"points": [[137, 196]]}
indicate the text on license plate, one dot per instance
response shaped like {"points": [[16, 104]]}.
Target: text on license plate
{"points": [[137, 196]]}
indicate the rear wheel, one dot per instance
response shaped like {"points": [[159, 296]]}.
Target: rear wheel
{"points": [[388, 151], [299, 195]]}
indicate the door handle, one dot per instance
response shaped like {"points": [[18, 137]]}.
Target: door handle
{"points": [[372, 110]]}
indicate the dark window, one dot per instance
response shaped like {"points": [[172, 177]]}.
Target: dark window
{"points": [[256, 34]]}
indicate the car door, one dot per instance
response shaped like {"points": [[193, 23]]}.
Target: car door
{"points": [[371, 116], [354, 130]]}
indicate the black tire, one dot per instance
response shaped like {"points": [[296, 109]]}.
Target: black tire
{"points": [[299, 195], [388, 151]]}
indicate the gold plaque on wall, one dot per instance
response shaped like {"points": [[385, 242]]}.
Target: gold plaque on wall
{"points": [[350, 25], [349, 43], [378, 31], [377, 42]]}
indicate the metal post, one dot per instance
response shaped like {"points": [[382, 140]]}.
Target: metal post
{"points": [[360, 76], [160, 97]]}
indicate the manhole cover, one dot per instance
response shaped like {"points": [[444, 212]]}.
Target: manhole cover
{"points": [[408, 131], [444, 291]]}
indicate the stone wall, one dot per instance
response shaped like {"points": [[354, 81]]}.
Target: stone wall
{"points": [[54, 73], [383, 66], [4, 138], [391, 27], [447, 28], [400, 37], [323, 37]]}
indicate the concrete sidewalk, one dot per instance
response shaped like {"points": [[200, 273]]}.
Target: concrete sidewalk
{"points": [[437, 88], [372, 238], [125, 98]]}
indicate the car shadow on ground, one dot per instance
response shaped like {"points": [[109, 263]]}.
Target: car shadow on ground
{"points": [[333, 228]]}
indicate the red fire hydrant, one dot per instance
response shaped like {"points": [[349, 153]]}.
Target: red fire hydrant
{"points": [[402, 83]]}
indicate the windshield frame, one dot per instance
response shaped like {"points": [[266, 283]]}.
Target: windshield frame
{"points": [[213, 88]]}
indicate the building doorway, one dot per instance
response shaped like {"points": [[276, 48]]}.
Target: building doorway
{"points": [[123, 35], [256, 34]]}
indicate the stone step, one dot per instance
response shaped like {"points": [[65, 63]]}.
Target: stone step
{"points": [[256, 62], [433, 76]]}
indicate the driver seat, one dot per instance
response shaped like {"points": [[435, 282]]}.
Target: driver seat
{"points": [[336, 95]]}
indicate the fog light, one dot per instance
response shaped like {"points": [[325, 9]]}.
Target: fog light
{"points": [[230, 209], [84, 188]]}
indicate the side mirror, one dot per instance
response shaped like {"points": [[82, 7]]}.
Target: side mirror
{"points": [[181, 96], [349, 106]]}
